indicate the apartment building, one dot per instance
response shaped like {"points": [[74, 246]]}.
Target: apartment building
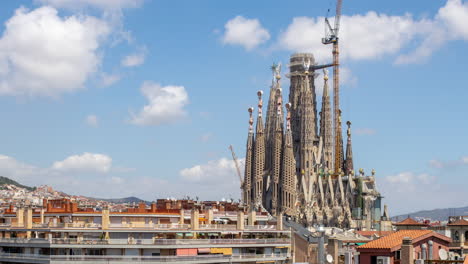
{"points": [[63, 232]]}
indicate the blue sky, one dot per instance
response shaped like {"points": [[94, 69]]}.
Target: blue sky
{"points": [[113, 98]]}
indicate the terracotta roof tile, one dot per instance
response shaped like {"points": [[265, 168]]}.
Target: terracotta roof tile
{"points": [[395, 239], [459, 222], [371, 233], [410, 222]]}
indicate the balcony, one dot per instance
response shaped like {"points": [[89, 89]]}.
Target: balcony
{"points": [[146, 259], [130, 241]]}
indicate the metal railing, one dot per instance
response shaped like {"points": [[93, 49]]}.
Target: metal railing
{"points": [[133, 241], [95, 259]]}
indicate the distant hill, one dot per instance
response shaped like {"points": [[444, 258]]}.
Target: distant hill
{"points": [[436, 214], [122, 200], [5, 180]]}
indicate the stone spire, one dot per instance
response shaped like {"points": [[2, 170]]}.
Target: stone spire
{"points": [[308, 135], [349, 166], [296, 92], [277, 145], [339, 162], [247, 187], [326, 132], [288, 181], [259, 157], [271, 115]]}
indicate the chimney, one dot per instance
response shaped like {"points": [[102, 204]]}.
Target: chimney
{"points": [[240, 220], [105, 219], [279, 221], [431, 250], [424, 251], [194, 219], [141, 207], [407, 251], [153, 207], [20, 217], [252, 218], [42, 216], [181, 217], [209, 216]]}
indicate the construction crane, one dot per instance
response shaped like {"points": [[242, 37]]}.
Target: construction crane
{"points": [[331, 37], [236, 163]]}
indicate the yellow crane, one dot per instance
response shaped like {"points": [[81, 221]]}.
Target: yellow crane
{"points": [[237, 165], [331, 37]]}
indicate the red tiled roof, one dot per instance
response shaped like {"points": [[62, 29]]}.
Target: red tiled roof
{"points": [[409, 222], [459, 222], [395, 239], [371, 233]]}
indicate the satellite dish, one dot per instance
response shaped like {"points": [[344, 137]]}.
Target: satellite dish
{"points": [[443, 254], [329, 258]]}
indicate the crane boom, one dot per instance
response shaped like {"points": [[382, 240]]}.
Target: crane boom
{"points": [[331, 37], [236, 163]]}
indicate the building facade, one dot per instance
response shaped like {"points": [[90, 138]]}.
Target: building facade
{"points": [[62, 232], [290, 165]]}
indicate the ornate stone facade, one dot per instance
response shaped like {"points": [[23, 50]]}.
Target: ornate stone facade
{"points": [[289, 169]]}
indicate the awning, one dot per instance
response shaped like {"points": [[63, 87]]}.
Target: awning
{"points": [[224, 251], [204, 251]]}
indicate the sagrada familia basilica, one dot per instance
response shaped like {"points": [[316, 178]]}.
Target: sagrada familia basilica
{"points": [[299, 167]]}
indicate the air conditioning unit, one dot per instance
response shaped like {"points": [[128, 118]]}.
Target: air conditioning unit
{"points": [[383, 260]]}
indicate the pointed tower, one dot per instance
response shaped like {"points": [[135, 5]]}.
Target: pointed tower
{"points": [[276, 158], [296, 92], [349, 166], [339, 162], [247, 187], [288, 180], [270, 121], [308, 135], [326, 132], [258, 157], [277, 145]]}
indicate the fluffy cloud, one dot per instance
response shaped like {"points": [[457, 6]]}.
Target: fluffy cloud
{"points": [[92, 120], [438, 164], [409, 178], [104, 4], [166, 104], [85, 162], [248, 33], [374, 35], [214, 171], [133, 60], [44, 54]]}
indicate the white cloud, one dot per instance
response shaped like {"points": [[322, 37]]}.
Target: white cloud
{"points": [[92, 120], [166, 104], [213, 172], [109, 79], [373, 35], [85, 162], [438, 164], [410, 179], [44, 54], [133, 60], [103, 4], [248, 33]]}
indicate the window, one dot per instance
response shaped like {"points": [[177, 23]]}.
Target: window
{"points": [[456, 236], [398, 255]]}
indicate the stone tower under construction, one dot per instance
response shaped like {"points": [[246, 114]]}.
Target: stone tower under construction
{"points": [[289, 166]]}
